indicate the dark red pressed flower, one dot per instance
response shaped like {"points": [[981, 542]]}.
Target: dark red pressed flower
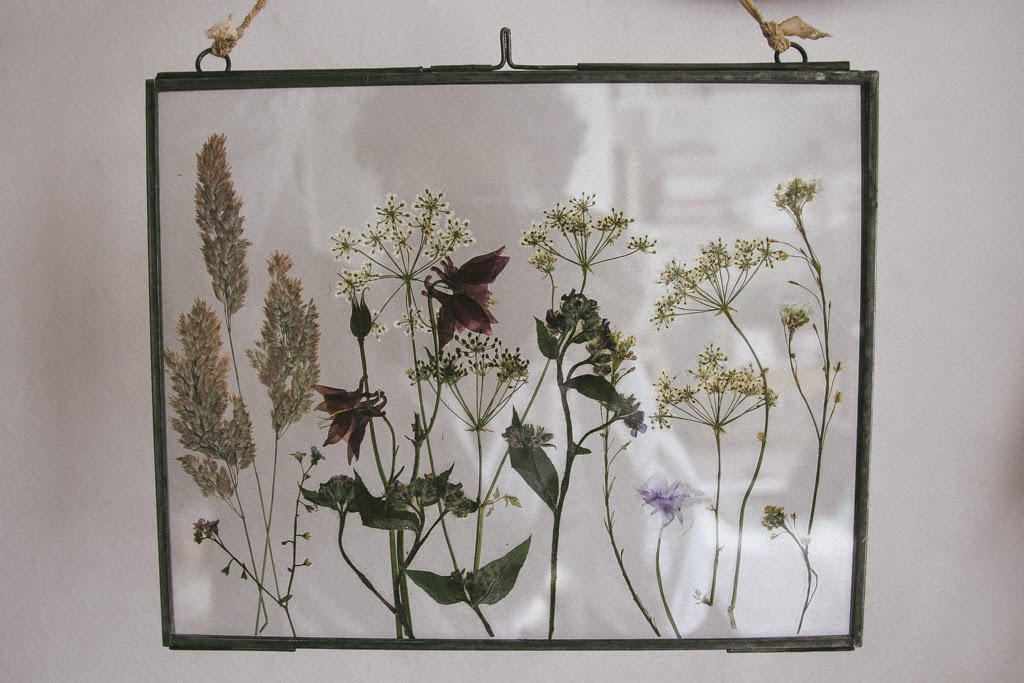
{"points": [[351, 412], [465, 305]]}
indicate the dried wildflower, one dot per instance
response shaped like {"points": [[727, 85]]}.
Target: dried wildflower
{"points": [[794, 317], [350, 413], [792, 194], [285, 356], [584, 239], [466, 304], [718, 396], [220, 225], [336, 493], [776, 520], [669, 499], [715, 281], [482, 357], [774, 517], [635, 422], [200, 400], [522, 436], [206, 529], [399, 244]]}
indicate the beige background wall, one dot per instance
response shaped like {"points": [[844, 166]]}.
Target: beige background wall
{"points": [[79, 597]]}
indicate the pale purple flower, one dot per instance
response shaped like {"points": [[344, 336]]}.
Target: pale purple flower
{"points": [[669, 499]]}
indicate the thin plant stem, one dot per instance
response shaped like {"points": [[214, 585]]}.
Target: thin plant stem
{"points": [[718, 497], [757, 469], [362, 577], [826, 311], [423, 433], [570, 456], [268, 550], [479, 496], [260, 604], [661, 588], [392, 550], [609, 524]]}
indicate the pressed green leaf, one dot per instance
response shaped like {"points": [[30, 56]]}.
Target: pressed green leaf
{"points": [[376, 514], [547, 344], [495, 579], [534, 466], [580, 450], [445, 590], [595, 387]]}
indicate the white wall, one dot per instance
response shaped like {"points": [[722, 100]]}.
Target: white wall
{"points": [[80, 599]]}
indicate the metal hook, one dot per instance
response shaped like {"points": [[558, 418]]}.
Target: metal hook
{"points": [[803, 53], [505, 41], [226, 58]]}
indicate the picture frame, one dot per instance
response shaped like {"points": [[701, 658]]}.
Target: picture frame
{"points": [[578, 255]]}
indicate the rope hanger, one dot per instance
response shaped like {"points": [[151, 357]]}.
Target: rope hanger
{"points": [[225, 36]]}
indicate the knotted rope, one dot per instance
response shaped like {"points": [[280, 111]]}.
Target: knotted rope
{"points": [[225, 36], [776, 34]]}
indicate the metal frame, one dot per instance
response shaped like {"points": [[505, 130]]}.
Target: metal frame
{"points": [[809, 73]]}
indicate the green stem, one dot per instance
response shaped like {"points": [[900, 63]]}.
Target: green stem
{"points": [[362, 577], [479, 496], [815, 266], [424, 433], [570, 456], [373, 431], [392, 548], [609, 524], [718, 497], [757, 470], [661, 588]]}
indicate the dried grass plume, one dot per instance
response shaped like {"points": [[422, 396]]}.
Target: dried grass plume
{"points": [[220, 226]]}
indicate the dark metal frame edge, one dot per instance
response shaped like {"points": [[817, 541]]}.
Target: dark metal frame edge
{"points": [[823, 73]]}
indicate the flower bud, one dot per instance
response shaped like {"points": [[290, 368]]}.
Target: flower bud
{"points": [[360, 323]]}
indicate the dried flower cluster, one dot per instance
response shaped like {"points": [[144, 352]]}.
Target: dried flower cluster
{"points": [[719, 276], [200, 402], [400, 243], [717, 396], [285, 357], [791, 195], [573, 234], [422, 492], [220, 225]]}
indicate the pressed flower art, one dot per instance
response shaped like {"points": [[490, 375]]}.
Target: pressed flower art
{"points": [[444, 361]]}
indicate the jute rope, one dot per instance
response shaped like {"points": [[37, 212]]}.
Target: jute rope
{"points": [[225, 36], [776, 34]]}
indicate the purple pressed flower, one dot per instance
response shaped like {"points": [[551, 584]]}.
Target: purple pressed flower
{"points": [[465, 305], [351, 412], [669, 499], [635, 422]]}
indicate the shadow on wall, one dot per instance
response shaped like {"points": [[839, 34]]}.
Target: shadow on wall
{"points": [[472, 143]]}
